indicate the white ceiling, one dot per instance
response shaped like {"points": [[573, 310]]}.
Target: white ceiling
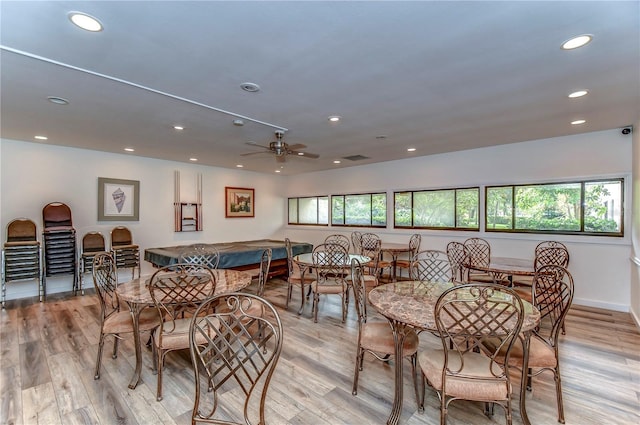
{"points": [[436, 76]]}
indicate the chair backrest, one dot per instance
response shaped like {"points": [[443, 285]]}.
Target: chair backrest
{"points": [[329, 261], [359, 291], [431, 265], [234, 344], [265, 263], [550, 244], [105, 280], [200, 254], [290, 263], [178, 288], [121, 235], [457, 256], [557, 256], [341, 240], [371, 245], [356, 242], [56, 214], [466, 315], [552, 295], [478, 251], [93, 242], [414, 245], [21, 230]]}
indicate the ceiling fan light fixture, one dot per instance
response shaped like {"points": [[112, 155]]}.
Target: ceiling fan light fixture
{"points": [[85, 21]]}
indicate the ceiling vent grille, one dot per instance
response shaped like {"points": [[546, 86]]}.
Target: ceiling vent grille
{"points": [[355, 157]]}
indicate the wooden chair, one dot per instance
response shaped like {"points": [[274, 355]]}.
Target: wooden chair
{"points": [[414, 246], [431, 265], [176, 291], [464, 369], [125, 252], [225, 347], [377, 338], [329, 261], [114, 319], [294, 277], [552, 296]]}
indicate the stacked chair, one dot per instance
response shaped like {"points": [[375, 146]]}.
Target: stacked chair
{"points": [[21, 255], [125, 252], [59, 239], [92, 243]]}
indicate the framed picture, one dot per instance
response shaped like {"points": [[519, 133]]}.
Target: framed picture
{"points": [[239, 202], [118, 200]]}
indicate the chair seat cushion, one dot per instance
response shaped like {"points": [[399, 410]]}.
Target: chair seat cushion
{"points": [[474, 382], [378, 337], [296, 277], [327, 288], [541, 354], [176, 338], [122, 322]]}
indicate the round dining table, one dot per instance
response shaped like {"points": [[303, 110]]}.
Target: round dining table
{"points": [[504, 268], [135, 293], [305, 262], [410, 305]]}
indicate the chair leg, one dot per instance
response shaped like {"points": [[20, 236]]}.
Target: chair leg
{"points": [[419, 400], [99, 359], [289, 292], [556, 377], [116, 341], [358, 368], [314, 309], [160, 361]]}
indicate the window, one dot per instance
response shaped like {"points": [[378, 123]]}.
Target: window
{"points": [[437, 209], [309, 210], [587, 207], [368, 209]]}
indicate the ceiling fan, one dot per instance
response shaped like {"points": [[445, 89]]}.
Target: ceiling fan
{"points": [[281, 149]]}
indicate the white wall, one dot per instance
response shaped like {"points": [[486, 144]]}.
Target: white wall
{"points": [[33, 175], [600, 265], [635, 228]]}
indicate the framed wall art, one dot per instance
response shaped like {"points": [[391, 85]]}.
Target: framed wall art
{"points": [[118, 200], [239, 202]]}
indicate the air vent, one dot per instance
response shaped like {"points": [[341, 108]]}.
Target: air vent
{"points": [[355, 157]]}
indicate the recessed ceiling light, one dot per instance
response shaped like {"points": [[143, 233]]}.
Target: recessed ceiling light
{"points": [[250, 87], [300, 153], [578, 93], [57, 100], [576, 42], [178, 127], [84, 21], [334, 118], [238, 123], [381, 137], [193, 159], [411, 149], [239, 165], [129, 149], [41, 137], [277, 171], [336, 162], [578, 122]]}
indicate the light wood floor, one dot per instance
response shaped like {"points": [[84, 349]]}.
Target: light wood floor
{"points": [[48, 352]]}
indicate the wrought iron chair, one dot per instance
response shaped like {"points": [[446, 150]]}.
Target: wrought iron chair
{"points": [[356, 242], [329, 262], [478, 253], [114, 318], [552, 296], [295, 277], [457, 257], [432, 266], [176, 290], [225, 347], [341, 240], [465, 316], [371, 246], [201, 254], [414, 246], [377, 337]]}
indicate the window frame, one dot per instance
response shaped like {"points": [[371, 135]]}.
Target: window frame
{"points": [[344, 218], [297, 199], [455, 209], [581, 231]]}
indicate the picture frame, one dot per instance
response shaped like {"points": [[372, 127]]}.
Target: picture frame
{"points": [[239, 202], [118, 199]]}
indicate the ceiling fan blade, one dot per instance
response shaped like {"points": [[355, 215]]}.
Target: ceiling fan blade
{"points": [[253, 153], [297, 147], [281, 158], [257, 145], [305, 154]]}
